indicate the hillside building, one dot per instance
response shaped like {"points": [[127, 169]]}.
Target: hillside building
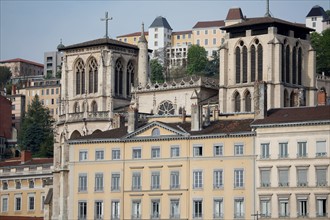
{"points": [[318, 19]]}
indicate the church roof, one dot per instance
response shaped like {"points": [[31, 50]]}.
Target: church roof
{"points": [[98, 42], [160, 22], [207, 24], [234, 14], [317, 11], [270, 21]]}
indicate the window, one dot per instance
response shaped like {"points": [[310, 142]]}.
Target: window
{"points": [[198, 179], [239, 149], [198, 208], [214, 41], [136, 153], [18, 203], [31, 203], [218, 150], [18, 185], [217, 179], [156, 43], [136, 209], [302, 149], [82, 187], [98, 210], [155, 180], [174, 209], [4, 185], [155, 152], [82, 210], [175, 151], [31, 184], [265, 178], [206, 42], [302, 177], [52, 91], [4, 202], [206, 31], [239, 178], [264, 151], [321, 149], [83, 155], [98, 182], [56, 90], [265, 207], [156, 36], [115, 182], [197, 32], [237, 102], [42, 92], [99, 155], [218, 208], [47, 91], [239, 208], [155, 209], [115, 210], [189, 36], [155, 132], [302, 209], [321, 206], [178, 37], [198, 150], [314, 24], [198, 42], [175, 180], [283, 207], [321, 176], [43, 202], [116, 154], [283, 150], [283, 175], [136, 181]]}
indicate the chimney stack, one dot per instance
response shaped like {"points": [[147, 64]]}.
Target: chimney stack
{"points": [[26, 156], [195, 112], [132, 119], [260, 100], [207, 120]]}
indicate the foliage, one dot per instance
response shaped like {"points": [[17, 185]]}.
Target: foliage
{"points": [[321, 44], [36, 132], [328, 12], [5, 75], [197, 60], [49, 74], [178, 72], [212, 67], [156, 71]]}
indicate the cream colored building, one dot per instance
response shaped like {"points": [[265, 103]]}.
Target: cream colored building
{"points": [[22, 184], [20, 67], [292, 164]]}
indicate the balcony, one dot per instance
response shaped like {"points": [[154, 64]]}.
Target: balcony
{"points": [[265, 185], [218, 186], [283, 184], [322, 183], [321, 154], [155, 215], [302, 184], [217, 215]]}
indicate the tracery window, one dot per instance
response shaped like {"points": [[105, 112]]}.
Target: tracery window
{"points": [[76, 107], [130, 77], [238, 64], [253, 63], [119, 78], [93, 76], [237, 102], [94, 106], [287, 64], [286, 99], [80, 77], [248, 101], [294, 65], [260, 61], [166, 108], [299, 65], [244, 64]]}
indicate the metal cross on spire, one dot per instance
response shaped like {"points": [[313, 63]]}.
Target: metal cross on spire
{"points": [[106, 19], [267, 9]]}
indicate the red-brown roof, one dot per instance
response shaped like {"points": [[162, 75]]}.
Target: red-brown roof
{"points": [[207, 24], [295, 115], [4, 217], [181, 32], [135, 34], [34, 161], [22, 61], [234, 14]]}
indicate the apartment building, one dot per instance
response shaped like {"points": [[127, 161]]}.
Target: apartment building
{"points": [[22, 184], [20, 67], [52, 63], [292, 165]]}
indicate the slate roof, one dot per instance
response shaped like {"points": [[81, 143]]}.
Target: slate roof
{"points": [[22, 61], [207, 24], [160, 22], [34, 161], [295, 115], [234, 14], [100, 41], [317, 11]]}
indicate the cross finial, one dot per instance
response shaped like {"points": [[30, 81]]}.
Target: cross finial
{"points": [[267, 9], [106, 19]]}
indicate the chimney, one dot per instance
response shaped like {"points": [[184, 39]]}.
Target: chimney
{"points": [[26, 156], [184, 115], [132, 119], [13, 89], [207, 121], [119, 121], [215, 113], [321, 97], [260, 100], [195, 112]]}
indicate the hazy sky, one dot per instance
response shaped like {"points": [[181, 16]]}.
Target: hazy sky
{"points": [[30, 28]]}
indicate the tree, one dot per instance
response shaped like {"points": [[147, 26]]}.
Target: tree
{"points": [[212, 67], [197, 60], [321, 44], [156, 71], [327, 12], [5, 75], [36, 132]]}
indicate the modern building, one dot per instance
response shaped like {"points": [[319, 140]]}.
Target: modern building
{"points": [[318, 19], [22, 183], [52, 63], [21, 68]]}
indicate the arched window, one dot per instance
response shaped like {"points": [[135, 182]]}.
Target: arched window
{"points": [[244, 64], [253, 63], [283, 64], [155, 132], [299, 65], [286, 99], [260, 61], [237, 102], [294, 65], [80, 77], [129, 77], [292, 99], [238, 64], [166, 108], [287, 64], [119, 78], [76, 107], [93, 76], [248, 101], [94, 106]]}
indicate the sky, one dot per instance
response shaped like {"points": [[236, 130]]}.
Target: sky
{"points": [[30, 28]]}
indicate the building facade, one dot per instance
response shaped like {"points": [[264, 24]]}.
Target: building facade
{"points": [[318, 19], [20, 67], [52, 63]]}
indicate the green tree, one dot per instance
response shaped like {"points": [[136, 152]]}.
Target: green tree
{"points": [[328, 12], [156, 71], [36, 132], [212, 67], [197, 60], [321, 44], [5, 75]]}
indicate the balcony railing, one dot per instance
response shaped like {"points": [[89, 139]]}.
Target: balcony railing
{"points": [[283, 156], [325, 214], [136, 216], [78, 116], [302, 184], [217, 215], [302, 155], [239, 215], [322, 183], [321, 154], [154, 187], [302, 214], [115, 188], [283, 215], [217, 186], [283, 184], [175, 186], [197, 215], [265, 185], [174, 216], [115, 217], [136, 188], [98, 189], [155, 215], [82, 189]]}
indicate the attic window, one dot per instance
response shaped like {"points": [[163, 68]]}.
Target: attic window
{"points": [[155, 132]]}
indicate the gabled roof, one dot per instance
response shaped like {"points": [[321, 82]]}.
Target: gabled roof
{"points": [[135, 34], [160, 22], [295, 115], [98, 42], [234, 14], [208, 24], [34, 161], [181, 32], [317, 11], [16, 60]]}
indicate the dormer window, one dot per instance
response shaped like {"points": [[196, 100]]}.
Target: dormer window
{"points": [[155, 132]]}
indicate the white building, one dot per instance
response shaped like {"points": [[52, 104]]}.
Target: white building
{"points": [[318, 19]]}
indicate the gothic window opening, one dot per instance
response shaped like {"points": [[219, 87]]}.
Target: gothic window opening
{"points": [[256, 61], [166, 108], [260, 61], [287, 64], [93, 76], [283, 64], [299, 65], [253, 63], [286, 99], [80, 75], [119, 78], [294, 65], [244, 64], [292, 99], [76, 107], [94, 107], [248, 101], [129, 78], [237, 102], [238, 64]]}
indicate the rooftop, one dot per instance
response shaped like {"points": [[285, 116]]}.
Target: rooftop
{"points": [[160, 22], [208, 24], [17, 162], [317, 11], [135, 34], [16, 60], [234, 14]]}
